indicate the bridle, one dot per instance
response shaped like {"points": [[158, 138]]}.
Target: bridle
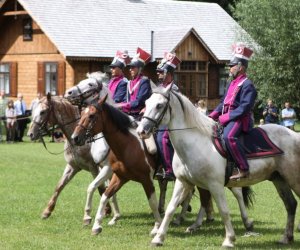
{"points": [[157, 121], [88, 135], [43, 125]]}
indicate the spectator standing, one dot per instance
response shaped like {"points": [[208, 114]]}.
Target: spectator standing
{"points": [[20, 107], [202, 107], [270, 113], [288, 116], [11, 117], [3, 105]]}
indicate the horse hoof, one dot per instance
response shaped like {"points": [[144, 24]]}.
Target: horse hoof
{"points": [[45, 215], [96, 231], [176, 222], [250, 227], [156, 243], [114, 220], [107, 211], [87, 222], [286, 240], [210, 220], [191, 230], [227, 244]]}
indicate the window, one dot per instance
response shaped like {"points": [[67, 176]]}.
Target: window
{"points": [[188, 65], [27, 29], [223, 80], [4, 77], [202, 85], [51, 78]]}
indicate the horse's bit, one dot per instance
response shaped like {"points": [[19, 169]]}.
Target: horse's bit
{"points": [[159, 119]]}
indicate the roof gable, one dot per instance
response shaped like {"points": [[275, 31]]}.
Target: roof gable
{"points": [[100, 27]]}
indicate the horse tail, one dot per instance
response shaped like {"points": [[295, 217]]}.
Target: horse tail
{"points": [[248, 196]]}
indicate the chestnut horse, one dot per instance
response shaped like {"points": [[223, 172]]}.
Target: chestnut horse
{"points": [[128, 157], [55, 111]]}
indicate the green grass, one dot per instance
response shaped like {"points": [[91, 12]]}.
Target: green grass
{"points": [[28, 177]]}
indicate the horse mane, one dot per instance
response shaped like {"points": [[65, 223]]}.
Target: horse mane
{"points": [[103, 78], [99, 76], [193, 116], [120, 119], [63, 107]]}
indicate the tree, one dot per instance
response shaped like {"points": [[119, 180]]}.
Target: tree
{"points": [[227, 5], [275, 27]]}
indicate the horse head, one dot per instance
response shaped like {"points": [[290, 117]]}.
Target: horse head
{"points": [[155, 112], [86, 128], [41, 117], [87, 90]]}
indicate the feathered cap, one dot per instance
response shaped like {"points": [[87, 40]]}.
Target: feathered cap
{"points": [[168, 63], [120, 60], [140, 59], [241, 54]]}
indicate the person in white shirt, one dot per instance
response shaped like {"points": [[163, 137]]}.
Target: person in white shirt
{"points": [[288, 116], [20, 107]]}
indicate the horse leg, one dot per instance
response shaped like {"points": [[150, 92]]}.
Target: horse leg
{"points": [[206, 207], [115, 184], [248, 223], [180, 192], [116, 211], [181, 216], [103, 175], [218, 194], [68, 174], [163, 183], [149, 189], [290, 204]]}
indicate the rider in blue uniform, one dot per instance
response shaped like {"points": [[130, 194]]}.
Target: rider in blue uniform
{"points": [[165, 72], [235, 109], [118, 83], [138, 88]]}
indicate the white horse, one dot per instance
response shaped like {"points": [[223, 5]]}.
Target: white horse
{"points": [[197, 162], [59, 112]]}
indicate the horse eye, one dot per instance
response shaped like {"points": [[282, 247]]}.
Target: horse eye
{"points": [[159, 106], [42, 112], [90, 84]]}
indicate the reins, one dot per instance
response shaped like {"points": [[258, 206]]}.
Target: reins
{"points": [[158, 121]]}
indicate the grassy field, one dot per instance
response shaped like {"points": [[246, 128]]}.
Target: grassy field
{"points": [[28, 177]]}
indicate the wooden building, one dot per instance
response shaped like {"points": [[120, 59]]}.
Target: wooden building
{"points": [[50, 45]]}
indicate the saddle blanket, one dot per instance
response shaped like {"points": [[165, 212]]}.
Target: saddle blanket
{"points": [[256, 144]]}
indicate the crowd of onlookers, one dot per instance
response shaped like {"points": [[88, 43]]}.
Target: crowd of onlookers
{"points": [[14, 117], [270, 114]]}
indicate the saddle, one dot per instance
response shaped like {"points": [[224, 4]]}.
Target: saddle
{"points": [[256, 144]]}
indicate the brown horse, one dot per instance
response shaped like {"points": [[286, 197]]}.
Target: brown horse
{"points": [[129, 159]]}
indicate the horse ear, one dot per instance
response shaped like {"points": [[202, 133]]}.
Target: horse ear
{"points": [[102, 100], [48, 97]]}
